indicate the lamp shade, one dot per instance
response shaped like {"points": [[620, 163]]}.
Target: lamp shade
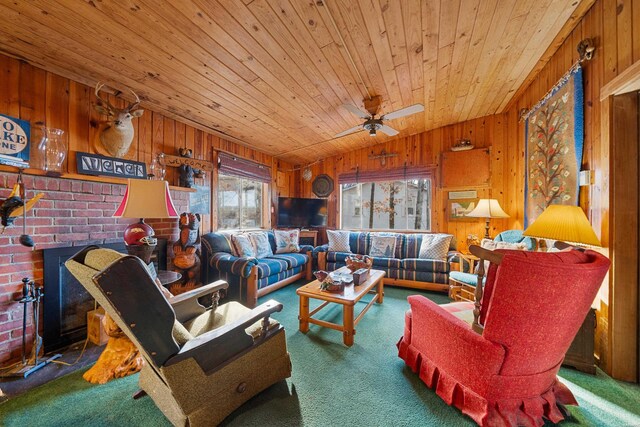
{"points": [[146, 199], [488, 208], [565, 223]]}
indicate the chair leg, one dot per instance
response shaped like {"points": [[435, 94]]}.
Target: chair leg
{"points": [[454, 290], [309, 267], [252, 288], [138, 394], [322, 261]]}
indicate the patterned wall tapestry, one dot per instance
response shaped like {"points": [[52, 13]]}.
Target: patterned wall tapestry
{"points": [[554, 134]]}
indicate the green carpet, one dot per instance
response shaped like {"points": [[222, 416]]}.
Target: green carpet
{"points": [[331, 385]]}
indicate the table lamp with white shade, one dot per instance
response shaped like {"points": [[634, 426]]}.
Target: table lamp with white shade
{"points": [[564, 223], [144, 199], [488, 208]]}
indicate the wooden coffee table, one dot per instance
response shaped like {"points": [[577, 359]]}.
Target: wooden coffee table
{"points": [[348, 299]]}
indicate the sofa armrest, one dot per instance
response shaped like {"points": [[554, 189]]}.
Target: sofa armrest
{"points": [[238, 266], [186, 305], [215, 347], [321, 248], [450, 343], [305, 248], [465, 264]]}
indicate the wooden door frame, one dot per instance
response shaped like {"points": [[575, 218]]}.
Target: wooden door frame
{"points": [[621, 359]]}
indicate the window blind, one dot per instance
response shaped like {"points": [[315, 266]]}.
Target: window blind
{"points": [[229, 164], [398, 174]]}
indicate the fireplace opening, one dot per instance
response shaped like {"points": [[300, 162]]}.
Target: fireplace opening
{"points": [[66, 302]]}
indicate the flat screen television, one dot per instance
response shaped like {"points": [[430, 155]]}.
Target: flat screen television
{"points": [[298, 212]]}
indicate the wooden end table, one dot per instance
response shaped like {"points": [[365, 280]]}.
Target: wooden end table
{"points": [[348, 299], [460, 291]]}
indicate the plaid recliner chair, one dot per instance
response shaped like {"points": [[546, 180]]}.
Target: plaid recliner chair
{"points": [[201, 364]]}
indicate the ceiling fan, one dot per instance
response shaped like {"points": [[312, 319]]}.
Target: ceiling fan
{"points": [[373, 124]]}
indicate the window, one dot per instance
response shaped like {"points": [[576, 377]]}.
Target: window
{"points": [[240, 202], [387, 205]]}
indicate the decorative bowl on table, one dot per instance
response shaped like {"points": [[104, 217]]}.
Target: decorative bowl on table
{"points": [[356, 262], [333, 282]]}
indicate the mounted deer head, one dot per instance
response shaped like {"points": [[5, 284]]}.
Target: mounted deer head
{"points": [[116, 134]]}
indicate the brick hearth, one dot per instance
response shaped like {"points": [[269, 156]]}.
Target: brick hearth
{"points": [[71, 213]]}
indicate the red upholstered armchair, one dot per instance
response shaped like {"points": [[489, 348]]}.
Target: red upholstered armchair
{"points": [[503, 373]]}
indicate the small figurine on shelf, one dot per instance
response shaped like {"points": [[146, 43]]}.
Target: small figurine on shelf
{"points": [[186, 252], [187, 172]]}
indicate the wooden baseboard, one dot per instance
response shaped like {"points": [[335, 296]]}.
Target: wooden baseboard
{"points": [[280, 284], [426, 286]]}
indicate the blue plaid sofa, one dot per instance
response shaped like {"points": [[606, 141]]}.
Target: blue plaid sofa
{"points": [[403, 269], [250, 278]]}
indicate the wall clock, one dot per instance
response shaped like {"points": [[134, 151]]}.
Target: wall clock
{"points": [[322, 186]]}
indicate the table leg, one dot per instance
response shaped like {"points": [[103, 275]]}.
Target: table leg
{"points": [[304, 314], [380, 290], [347, 325]]}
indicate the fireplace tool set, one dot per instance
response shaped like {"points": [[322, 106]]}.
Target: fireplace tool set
{"points": [[30, 294]]}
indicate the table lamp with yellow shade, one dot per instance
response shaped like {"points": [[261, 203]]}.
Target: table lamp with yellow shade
{"points": [[144, 199], [564, 223], [487, 209]]}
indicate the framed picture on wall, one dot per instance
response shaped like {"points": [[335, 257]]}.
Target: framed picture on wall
{"points": [[457, 209], [469, 194]]}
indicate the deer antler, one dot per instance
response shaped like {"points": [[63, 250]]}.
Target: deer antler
{"points": [[99, 86], [133, 105]]}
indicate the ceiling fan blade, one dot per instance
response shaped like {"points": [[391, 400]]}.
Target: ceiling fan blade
{"points": [[388, 130], [355, 110], [348, 131], [412, 109]]}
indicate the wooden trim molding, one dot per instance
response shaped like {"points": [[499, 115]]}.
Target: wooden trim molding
{"points": [[623, 237], [619, 220], [80, 177], [626, 81]]}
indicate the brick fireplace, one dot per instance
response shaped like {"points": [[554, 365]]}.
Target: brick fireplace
{"points": [[71, 213]]}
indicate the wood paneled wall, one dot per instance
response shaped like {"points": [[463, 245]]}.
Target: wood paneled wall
{"points": [[614, 25], [615, 28], [424, 150], [36, 95]]}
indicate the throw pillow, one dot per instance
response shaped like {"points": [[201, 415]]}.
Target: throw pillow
{"points": [[228, 235], [488, 244], [243, 245], [435, 246], [383, 246], [287, 241], [260, 242], [338, 241], [513, 246]]}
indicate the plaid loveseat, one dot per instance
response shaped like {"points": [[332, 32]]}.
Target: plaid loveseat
{"points": [[405, 268], [248, 277]]}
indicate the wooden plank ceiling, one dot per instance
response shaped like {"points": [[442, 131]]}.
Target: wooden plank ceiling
{"points": [[273, 74]]}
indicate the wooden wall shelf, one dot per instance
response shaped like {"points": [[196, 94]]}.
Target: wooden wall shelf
{"points": [[103, 179]]}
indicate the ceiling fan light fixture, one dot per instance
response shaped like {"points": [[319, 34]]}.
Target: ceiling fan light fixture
{"points": [[373, 124]]}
